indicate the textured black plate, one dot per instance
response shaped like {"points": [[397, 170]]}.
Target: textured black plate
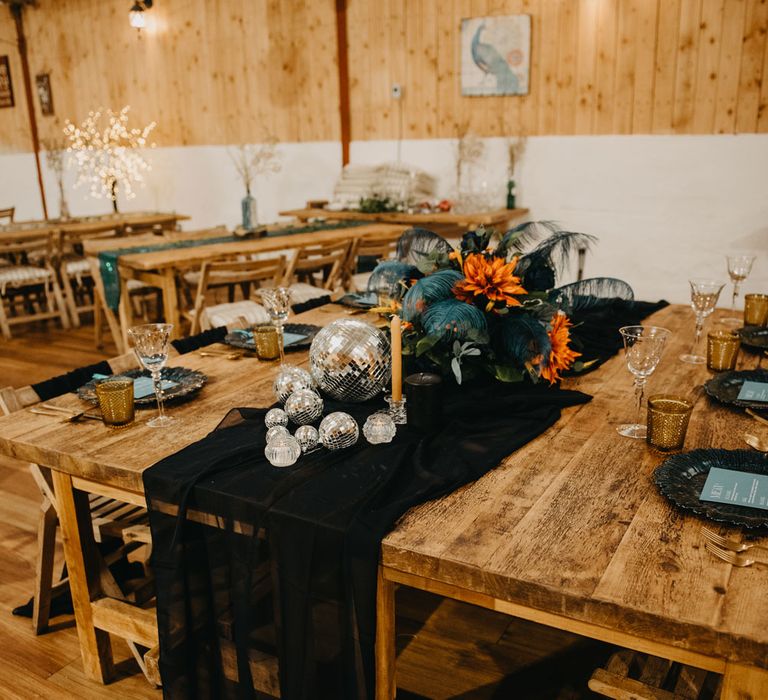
{"points": [[725, 387], [188, 381], [240, 340], [365, 300], [755, 337], [681, 477]]}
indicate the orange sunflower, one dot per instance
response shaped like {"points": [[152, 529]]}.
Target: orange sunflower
{"points": [[492, 278], [561, 357]]}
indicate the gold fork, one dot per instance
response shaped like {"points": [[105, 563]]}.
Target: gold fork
{"points": [[732, 557], [726, 543]]}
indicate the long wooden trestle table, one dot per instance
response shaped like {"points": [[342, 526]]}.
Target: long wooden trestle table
{"points": [[569, 531], [160, 268]]}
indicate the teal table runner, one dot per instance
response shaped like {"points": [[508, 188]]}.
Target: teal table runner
{"points": [[108, 259]]}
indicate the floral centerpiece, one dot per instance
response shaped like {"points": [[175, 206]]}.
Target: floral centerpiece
{"points": [[482, 308]]}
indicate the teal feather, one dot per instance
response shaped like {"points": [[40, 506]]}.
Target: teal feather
{"points": [[428, 290], [453, 319], [388, 276]]}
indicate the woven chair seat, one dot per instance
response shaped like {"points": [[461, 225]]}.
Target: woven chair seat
{"points": [[22, 276], [229, 314]]}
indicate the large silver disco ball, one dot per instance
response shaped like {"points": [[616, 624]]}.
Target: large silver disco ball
{"points": [[350, 360]]}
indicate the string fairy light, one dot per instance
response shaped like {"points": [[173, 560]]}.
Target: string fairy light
{"points": [[108, 155]]}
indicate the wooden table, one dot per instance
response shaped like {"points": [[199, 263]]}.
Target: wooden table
{"points": [[445, 223], [569, 531], [159, 268], [84, 225]]}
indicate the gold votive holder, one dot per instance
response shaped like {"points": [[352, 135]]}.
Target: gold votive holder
{"points": [[116, 401], [722, 350], [668, 417], [756, 310], [267, 342]]}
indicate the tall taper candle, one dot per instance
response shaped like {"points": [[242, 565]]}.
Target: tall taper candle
{"points": [[397, 359]]}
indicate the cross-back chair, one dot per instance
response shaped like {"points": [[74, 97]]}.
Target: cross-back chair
{"points": [[230, 273], [6, 215], [368, 249], [29, 292], [317, 270]]}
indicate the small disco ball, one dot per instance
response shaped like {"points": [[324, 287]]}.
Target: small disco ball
{"points": [[350, 360], [275, 416], [289, 379], [275, 431], [307, 436], [304, 406], [283, 451], [338, 430]]}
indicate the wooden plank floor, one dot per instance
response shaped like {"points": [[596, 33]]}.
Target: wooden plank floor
{"points": [[445, 649]]}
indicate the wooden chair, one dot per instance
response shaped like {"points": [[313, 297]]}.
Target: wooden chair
{"points": [[77, 276], [317, 270], [6, 215], [109, 517], [29, 292], [229, 273], [379, 246]]}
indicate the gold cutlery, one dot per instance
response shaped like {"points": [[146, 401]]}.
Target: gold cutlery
{"points": [[757, 417], [732, 557], [67, 417], [226, 355], [756, 442], [727, 543]]}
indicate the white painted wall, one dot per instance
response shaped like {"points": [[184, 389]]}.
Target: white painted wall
{"points": [[665, 208]]}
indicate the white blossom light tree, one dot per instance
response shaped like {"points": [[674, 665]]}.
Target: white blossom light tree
{"points": [[107, 153]]}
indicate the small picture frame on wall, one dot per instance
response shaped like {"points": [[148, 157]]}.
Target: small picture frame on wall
{"points": [[43, 83], [6, 86]]}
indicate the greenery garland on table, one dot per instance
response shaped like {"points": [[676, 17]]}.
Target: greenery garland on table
{"points": [[483, 309]]}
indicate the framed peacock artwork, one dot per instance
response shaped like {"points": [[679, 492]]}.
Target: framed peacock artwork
{"points": [[496, 55]]}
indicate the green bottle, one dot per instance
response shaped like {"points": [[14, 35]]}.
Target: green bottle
{"points": [[510, 194]]}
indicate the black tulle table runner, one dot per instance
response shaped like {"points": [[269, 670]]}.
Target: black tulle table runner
{"points": [[284, 561]]}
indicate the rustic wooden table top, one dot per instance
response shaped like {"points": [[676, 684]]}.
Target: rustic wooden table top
{"points": [[488, 218], [189, 257], [36, 229], [573, 524]]}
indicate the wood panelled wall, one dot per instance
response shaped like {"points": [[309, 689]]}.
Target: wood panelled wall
{"points": [[231, 71], [597, 67]]}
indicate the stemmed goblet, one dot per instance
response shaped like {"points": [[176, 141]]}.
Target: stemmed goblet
{"points": [[643, 346], [150, 343], [739, 267], [277, 302], [704, 296]]}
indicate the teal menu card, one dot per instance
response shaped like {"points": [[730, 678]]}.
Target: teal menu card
{"points": [[753, 391], [736, 488]]}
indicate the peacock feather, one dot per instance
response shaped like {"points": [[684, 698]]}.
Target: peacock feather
{"points": [[453, 319], [390, 276], [428, 290]]}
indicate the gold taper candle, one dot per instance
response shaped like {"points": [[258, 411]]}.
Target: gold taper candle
{"points": [[397, 359]]}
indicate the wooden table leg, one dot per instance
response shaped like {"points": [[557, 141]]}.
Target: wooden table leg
{"points": [[171, 303], [82, 567], [385, 639], [744, 683]]}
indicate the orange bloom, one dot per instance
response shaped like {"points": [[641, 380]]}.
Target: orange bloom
{"points": [[561, 357], [492, 278]]}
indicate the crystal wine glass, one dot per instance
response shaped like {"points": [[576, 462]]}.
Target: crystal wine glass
{"points": [[643, 346], [150, 343], [739, 267], [704, 296], [277, 302]]}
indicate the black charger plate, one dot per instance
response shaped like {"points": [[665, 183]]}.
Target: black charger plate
{"points": [[188, 381], [681, 478], [725, 387]]}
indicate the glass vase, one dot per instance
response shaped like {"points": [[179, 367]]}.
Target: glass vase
{"points": [[250, 215]]}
